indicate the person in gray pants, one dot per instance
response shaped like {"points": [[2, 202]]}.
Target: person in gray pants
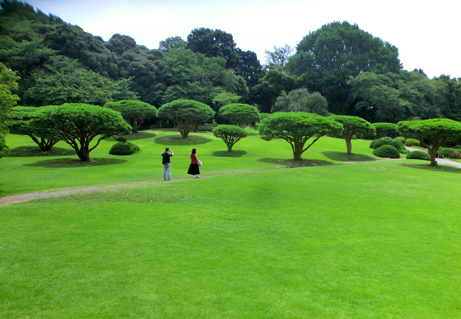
{"points": [[166, 154]]}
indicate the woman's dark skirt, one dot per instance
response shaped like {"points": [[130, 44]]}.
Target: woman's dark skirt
{"points": [[193, 169]]}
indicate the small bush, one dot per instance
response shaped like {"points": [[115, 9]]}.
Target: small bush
{"points": [[207, 127], [412, 142], [400, 139], [124, 149], [448, 153], [120, 139], [421, 155], [388, 151], [388, 141]]}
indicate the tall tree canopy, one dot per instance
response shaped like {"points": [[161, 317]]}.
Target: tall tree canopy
{"points": [[300, 100], [336, 51], [8, 84], [278, 59], [66, 81]]}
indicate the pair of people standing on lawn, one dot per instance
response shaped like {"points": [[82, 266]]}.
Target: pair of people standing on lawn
{"points": [[193, 167]]}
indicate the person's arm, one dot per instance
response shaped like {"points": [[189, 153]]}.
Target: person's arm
{"points": [[172, 154]]}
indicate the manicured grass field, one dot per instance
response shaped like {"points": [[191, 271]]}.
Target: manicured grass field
{"points": [[258, 236]]}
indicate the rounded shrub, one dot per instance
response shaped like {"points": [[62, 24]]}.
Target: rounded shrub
{"points": [[400, 139], [412, 142], [448, 153], [388, 151], [388, 141], [121, 148], [120, 139], [420, 155]]}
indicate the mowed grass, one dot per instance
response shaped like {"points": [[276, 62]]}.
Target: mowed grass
{"points": [[258, 236]]}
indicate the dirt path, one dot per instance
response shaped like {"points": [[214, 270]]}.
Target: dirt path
{"points": [[8, 200]]}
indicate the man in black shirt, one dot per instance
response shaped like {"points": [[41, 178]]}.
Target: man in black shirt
{"points": [[167, 164]]}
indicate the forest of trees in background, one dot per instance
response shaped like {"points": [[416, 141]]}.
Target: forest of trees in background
{"points": [[357, 73]]}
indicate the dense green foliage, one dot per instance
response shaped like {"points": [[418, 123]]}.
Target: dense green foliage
{"points": [[300, 100], [421, 155], [230, 134], [432, 133], [297, 128], [270, 86], [387, 151], [24, 124], [239, 114], [388, 141], [133, 112], [124, 148], [78, 124], [412, 142], [186, 114], [357, 73], [448, 153], [353, 125], [330, 55], [8, 84]]}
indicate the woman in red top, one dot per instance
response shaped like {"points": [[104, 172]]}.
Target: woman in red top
{"points": [[194, 168]]}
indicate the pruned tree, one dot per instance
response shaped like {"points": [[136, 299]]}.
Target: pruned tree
{"points": [[133, 112], [432, 134], [230, 134], [24, 124], [297, 128], [239, 114], [353, 125], [186, 114], [79, 124], [385, 129]]}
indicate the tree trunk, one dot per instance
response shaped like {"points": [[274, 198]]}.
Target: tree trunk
{"points": [[349, 146], [84, 155], [432, 152]]}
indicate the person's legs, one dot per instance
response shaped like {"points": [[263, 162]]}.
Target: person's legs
{"points": [[167, 172]]}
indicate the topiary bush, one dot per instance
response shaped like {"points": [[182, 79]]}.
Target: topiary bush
{"points": [[420, 155], [388, 151], [400, 139], [120, 139], [121, 148], [388, 141], [412, 142], [448, 153]]}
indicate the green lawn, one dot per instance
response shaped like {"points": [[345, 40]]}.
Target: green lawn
{"points": [[258, 236]]}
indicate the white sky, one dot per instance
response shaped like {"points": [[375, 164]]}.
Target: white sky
{"points": [[426, 32]]}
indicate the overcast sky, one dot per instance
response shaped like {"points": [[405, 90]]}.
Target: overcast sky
{"points": [[425, 32]]}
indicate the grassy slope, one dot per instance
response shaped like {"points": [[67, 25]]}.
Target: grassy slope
{"points": [[251, 239]]}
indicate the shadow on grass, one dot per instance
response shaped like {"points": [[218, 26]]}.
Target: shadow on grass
{"points": [[428, 167], [229, 154], [343, 157], [179, 140], [31, 151], [140, 135], [292, 163], [75, 162]]}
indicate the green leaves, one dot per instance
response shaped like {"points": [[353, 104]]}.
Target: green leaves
{"points": [[133, 112], [230, 134], [239, 114], [186, 114], [297, 128]]}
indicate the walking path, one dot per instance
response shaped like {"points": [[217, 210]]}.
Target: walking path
{"points": [[8, 200]]}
